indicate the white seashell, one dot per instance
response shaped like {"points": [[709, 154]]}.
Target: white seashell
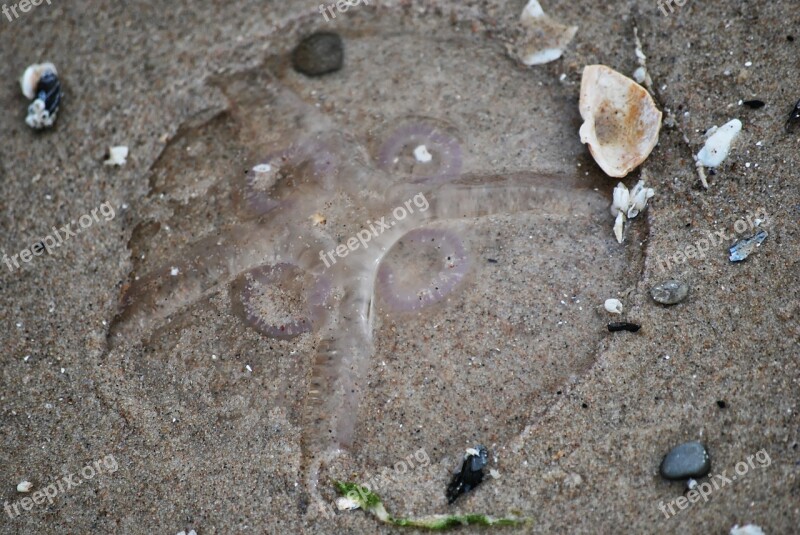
{"points": [[24, 486], [117, 156], [30, 78], [718, 144], [621, 120], [613, 305], [544, 39]]}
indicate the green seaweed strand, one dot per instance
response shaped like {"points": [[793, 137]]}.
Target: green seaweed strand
{"points": [[371, 502]]}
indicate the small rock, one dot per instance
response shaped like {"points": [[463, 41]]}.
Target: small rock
{"points": [[319, 53], [689, 460], [24, 486], [669, 292]]}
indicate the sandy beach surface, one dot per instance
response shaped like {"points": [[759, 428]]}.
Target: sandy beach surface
{"points": [[137, 390]]}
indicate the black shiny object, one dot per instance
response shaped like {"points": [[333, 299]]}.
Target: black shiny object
{"points": [[794, 118], [470, 475], [616, 326], [48, 90]]}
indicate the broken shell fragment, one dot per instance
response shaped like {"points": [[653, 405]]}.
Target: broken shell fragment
{"points": [[718, 144], [621, 120], [544, 39]]}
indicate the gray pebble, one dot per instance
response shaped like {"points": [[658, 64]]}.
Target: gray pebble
{"points": [[319, 53], [689, 460], [670, 292]]}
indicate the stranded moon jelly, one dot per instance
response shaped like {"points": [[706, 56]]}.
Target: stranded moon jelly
{"points": [[40, 84]]}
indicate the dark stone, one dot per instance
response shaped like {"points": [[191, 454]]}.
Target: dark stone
{"points": [[689, 460], [318, 54]]}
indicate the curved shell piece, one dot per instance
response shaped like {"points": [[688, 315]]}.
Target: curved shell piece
{"points": [[32, 75], [621, 120]]}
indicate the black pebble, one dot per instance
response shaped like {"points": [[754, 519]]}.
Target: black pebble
{"points": [[470, 475], [721, 404], [616, 326], [754, 104], [318, 54]]}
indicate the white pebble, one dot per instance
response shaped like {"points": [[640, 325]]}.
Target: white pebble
{"points": [[25, 486], [174, 271]]}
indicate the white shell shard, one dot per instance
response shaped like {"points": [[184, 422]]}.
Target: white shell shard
{"points": [[618, 226], [24, 486], [117, 156], [613, 306], [544, 39], [32, 75], [621, 120], [718, 144]]}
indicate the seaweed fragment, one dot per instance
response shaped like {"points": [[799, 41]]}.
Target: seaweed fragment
{"points": [[355, 496]]}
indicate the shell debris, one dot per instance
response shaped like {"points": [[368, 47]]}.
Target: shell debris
{"points": [[628, 205], [544, 39], [717, 147], [40, 84]]}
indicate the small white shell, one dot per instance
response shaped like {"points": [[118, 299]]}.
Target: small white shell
{"points": [[544, 39], [613, 306], [621, 120], [24, 486], [718, 144], [30, 78]]}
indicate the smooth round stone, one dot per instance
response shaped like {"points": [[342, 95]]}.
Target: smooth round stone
{"points": [[319, 53], [670, 292], [689, 460]]}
